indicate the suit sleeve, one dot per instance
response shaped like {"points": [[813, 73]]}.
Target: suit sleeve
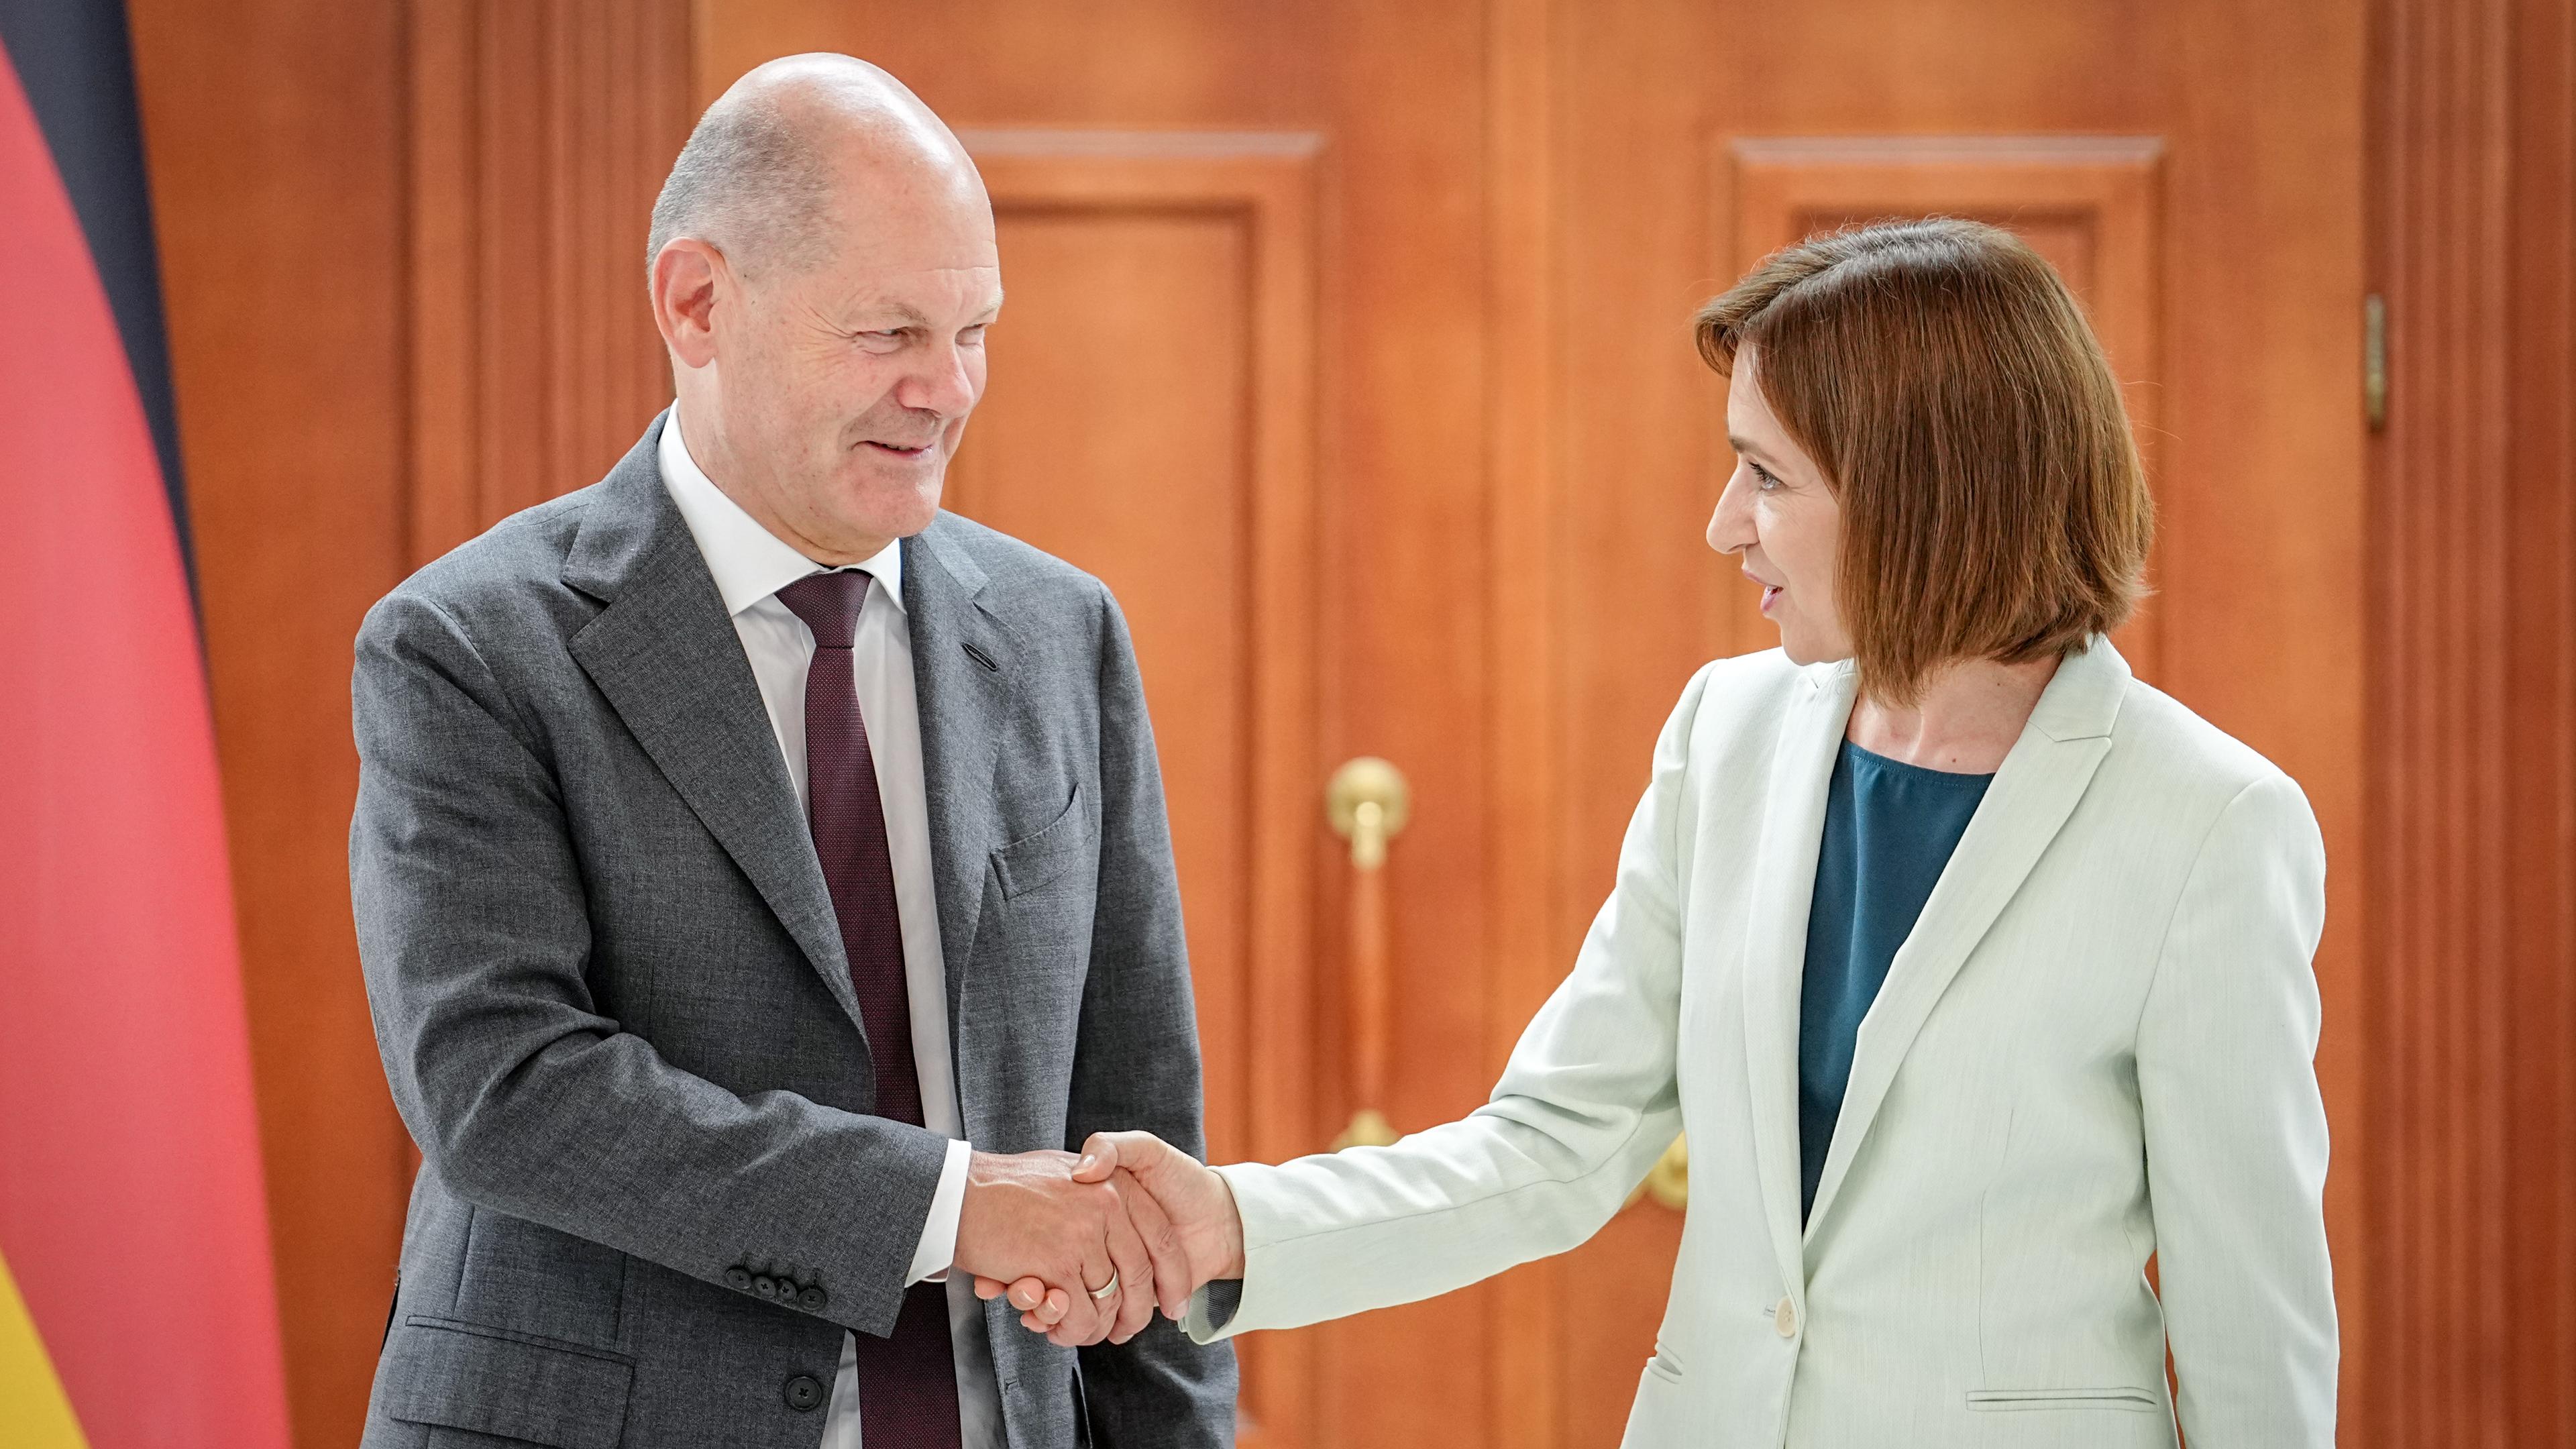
{"points": [[2236, 1132], [474, 936], [1136, 1063], [1585, 1106]]}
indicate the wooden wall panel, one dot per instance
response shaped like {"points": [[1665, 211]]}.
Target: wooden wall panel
{"points": [[281, 219], [539, 136], [1151, 419], [1525, 592], [2474, 750], [2261, 555]]}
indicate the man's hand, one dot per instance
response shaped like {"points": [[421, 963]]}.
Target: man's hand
{"points": [[1183, 1210], [1026, 1217]]}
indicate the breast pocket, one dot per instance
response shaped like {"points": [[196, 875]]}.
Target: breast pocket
{"points": [[1060, 855]]}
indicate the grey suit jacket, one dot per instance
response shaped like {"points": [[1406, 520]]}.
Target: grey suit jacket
{"points": [[614, 1010]]}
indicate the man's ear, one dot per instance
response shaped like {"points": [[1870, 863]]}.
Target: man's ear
{"points": [[688, 275]]}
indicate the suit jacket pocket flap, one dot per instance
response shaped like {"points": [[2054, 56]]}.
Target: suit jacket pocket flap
{"points": [[466, 1376], [1040, 857], [2139, 1401]]}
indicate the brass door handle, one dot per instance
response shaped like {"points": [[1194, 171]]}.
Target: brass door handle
{"points": [[1367, 804]]}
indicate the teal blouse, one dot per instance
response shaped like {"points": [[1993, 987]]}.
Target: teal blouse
{"points": [[1889, 830]]}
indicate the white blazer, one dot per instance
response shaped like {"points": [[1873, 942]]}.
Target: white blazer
{"points": [[2098, 1044]]}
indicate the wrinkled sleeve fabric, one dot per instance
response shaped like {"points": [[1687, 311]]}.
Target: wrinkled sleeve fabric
{"points": [[1586, 1104], [473, 935], [2236, 1132]]}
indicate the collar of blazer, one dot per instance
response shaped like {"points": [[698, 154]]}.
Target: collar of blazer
{"points": [[2041, 780], [664, 653]]}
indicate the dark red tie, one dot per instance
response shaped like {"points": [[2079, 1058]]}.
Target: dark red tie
{"points": [[908, 1380]]}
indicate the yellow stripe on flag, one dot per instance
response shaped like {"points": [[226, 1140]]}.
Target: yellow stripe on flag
{"points": [[31, 1398]]}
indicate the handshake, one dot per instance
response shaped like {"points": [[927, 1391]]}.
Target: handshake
{"points": [[1087, 1247]]}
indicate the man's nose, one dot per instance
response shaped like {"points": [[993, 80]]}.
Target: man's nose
{"points": [[940, 385]]}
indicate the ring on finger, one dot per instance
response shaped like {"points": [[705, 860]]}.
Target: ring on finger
{"points": [[1105, 1290]]}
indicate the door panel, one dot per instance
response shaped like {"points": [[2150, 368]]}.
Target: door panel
{"points": [[1149, 418], [1138, 320]]}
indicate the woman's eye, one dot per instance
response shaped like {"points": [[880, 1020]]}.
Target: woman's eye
{"points": [[1762, 478]]}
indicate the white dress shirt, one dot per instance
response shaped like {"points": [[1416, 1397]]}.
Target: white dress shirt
{"points": [[751, 565]]}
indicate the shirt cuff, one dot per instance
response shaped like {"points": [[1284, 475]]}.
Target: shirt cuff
{"points": [[938, 1248]]}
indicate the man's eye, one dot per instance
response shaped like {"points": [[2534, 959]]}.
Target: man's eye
{"points": [[971, 336]]}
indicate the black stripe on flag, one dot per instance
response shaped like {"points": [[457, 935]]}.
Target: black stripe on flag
{"points": [[76, 64]]}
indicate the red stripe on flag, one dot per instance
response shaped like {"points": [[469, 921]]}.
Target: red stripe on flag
{"points": [[130, 1199]]}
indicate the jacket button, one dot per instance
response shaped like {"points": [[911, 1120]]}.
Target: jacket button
{"points": [[738, 1278], [804, 1395], [812, 1300], [1785, 1319], [765, 1286]]}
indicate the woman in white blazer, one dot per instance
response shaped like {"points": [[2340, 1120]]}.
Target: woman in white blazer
{"points": [[1922, 1208]]}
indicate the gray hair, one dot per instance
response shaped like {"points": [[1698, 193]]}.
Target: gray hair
{"points": [[752, 184]]}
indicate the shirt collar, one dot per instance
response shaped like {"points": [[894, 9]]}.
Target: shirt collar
{"points": [[748, 561]]}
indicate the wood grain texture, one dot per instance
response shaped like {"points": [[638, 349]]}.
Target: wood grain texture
{"points": [[2473, 783], [539, 136], [1525, 476], [281, 232]]}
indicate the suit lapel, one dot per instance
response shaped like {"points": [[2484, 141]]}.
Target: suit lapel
{"points": [[1775, 945], [666, 657], [962, 659], [2035, 790]]}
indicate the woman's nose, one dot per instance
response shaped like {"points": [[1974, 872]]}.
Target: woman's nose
{"points": [[1730, 527]]}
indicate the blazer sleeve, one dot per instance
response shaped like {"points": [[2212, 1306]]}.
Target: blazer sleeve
{"points": [[1586, 1104], [2236, 1132], [1136, 1061], [474, 936]]}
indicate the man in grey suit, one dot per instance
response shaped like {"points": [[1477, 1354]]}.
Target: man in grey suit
{"points": [[738, 840]]}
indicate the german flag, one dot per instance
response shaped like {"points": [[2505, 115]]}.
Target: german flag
{"points": [[136, 1301]]}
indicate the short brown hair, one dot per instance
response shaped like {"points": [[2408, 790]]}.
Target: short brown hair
{"points": [[1945, 381]]}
